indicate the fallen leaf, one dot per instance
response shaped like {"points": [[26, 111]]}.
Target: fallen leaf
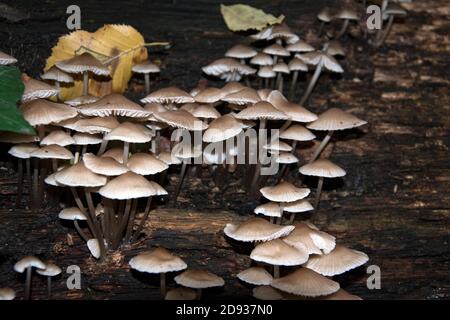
{"points": [[241, 17]]}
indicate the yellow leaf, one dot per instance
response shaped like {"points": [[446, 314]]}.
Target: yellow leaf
{"points": [[118, 46], [240, 17]]}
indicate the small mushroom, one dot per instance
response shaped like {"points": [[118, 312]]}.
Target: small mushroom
{"points": [[6, 59], [27, 264], [390, 12], [58, 76], [7, 294], [51, 270], [345, 14], [146, 68], [199, 279]]}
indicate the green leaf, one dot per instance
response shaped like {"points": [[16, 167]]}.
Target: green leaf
{"points": [[11, 89], [241, 17]]}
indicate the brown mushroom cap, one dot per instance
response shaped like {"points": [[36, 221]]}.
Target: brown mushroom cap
{"points": [[129, 132], [23, 150], [6, 293], [284, 192], [335, 119], [12, 137], [115, 153], [71, 176], [227, 65], [341, 294], [276, 50], [294, 111], [325, 15], [286, 158], [145, 67], [297, 132], [82, 63], [52, 151], [169, 158], [321, 58], [256, 276], [346, 13], [241, 51], [158, 260], [85, 139], [299, 46], [297, 65], [277, 146], [104, 165], [222, 129], [58, 137], [114, 104], [181, 119], [335, 48], [204, 111], [261, 110], [81, 100], [338, 261], [322, 168], [269, 209], [304, 235], [281, 67], [6, 59], [262, 59], [168, 95], [35, 89], [232, 87], [266, 72], [305, 282], [209, 95], [146, 164], [282, 31], [266, 293], [244, 96], [96, 125], [297, 206], [43, 112], [256, 229], [276, 252], [57, 75], [181, 294], [199, 279]]}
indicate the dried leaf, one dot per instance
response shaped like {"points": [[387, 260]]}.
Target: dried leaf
{"points": [[240, 17], [120, 45]]}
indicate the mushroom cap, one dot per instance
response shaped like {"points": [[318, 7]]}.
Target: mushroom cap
{"points": [[43, 112], [50, 270], [146, 67], [81, 100], [325, 15], [232, 87], [57, 75], [338, 261], [269, 209], [297, 64], [28, 261], [52, 151], [113, 104], [276, 50], [204, 111], [266, 72], [169, 158], [322, 168], [223, 128], [305, 282], [261, 110], [214, 155], [58, 137], [256, 275], [131, 186], [115, 153], [154, 107], [244, 96], [266, 293], [158, 260], [181, 119], [50, 180], [6, 293], [277, 146], [297, 132], [299, 46], [294, 111], [263, 34], [286, 158], [186, 151], [282, 31], [85, 139], [209, 95], [6, 59], [96, 125], [335, 48], [284, 192], [106, 166], [168, 95], [181, 294], [264, 93], [23, 150], [35, 89], [346, 13], [241, 51], [262, 59], [146, 164], [321, 58], [277, 252], [129, 132], [297, 206], [12, 137], [94, 248], [72, 213], [82, 63], [199, 279], [227, 65], [78, 175], [394, 9], [305, 235], [335, 119], [256, 229], [68, 124], [281, 67], [341, 294]]}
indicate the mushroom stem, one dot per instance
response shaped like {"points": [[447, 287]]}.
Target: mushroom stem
{"points": [[28, 283], [19, 183], [144, 218], [276, 272], [58, 87], [162, 282], [311, 84], [319, 32], [80, 231], [126, 151], [293, 85], [131, 221], [253, 185], [322, 146], [318, 192], [180, 182], [199, 294], [158, 142], [28, 169], [343, 29], [103, 146], [292, 218], [266, 83], [147, 83], [49, 288], [85, 83], [97, 229], [55, 165], [382, 36], [84, 149], [34, 192]]}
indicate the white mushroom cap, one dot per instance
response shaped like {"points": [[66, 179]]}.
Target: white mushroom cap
{"points": [[146, 67], [50, 270], [199, 279], [52, 151], [322, 168], [241, 51], [6, 59], [72, 213], [158, 260], [336, 119], [277, 252], [23, 151], [297, 206], [82, 63], [78, 175], [256, 229], [28, 261], [168, 95], [222, 129], [57, 75], [266, 293], [284, 192], [286, 158], [58, 137], [270, 209], [106, 166], [146, 164], [94, 248], [256, 276]]}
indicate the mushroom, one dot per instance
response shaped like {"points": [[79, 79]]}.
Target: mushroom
{"points": [[169, 96], [305, 282], [81, 100], [199, 279], [180, 294], [84, 139], [160, 261], [306, 235], [256, 275], [297, 207], [266, 293], [27, 264], [321, 168], [332, 120], [341, 294], [280, 68], [51, 270], [58, 76], [241, 52], [256, 229], [335, 48], [295, 66], [321, 60], [74, 214], [278, 253], [276, 51], [84, 64], [228, 69], [390, 12], [35, 89], [345, 14], [146, 68], [7, 293], [269, 209], [324, 16], [281, 32], [6, 59]]}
